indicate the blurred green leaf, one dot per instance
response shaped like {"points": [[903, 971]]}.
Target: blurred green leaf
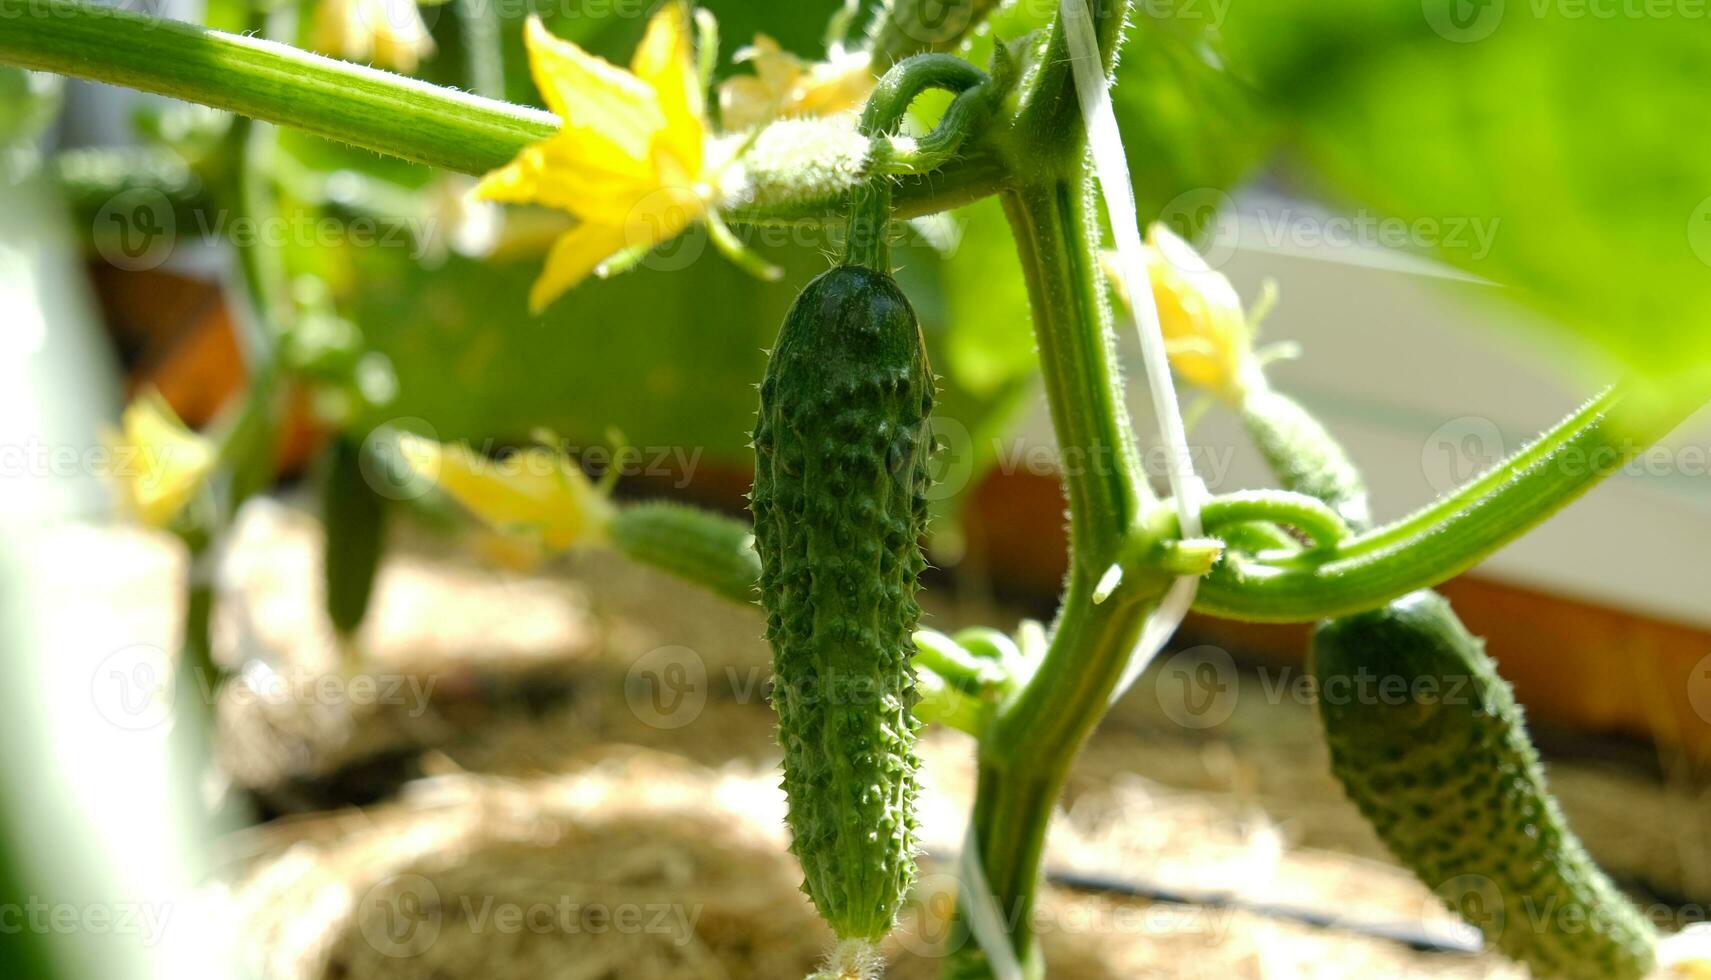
{"points": [[1573, 132]]}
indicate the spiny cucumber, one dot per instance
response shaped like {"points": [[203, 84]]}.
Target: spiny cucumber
{"points": [[708, 549], [839, 502], [1428, 741], [1303, 455]]}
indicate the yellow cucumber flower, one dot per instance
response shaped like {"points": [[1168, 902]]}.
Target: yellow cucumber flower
{"points": [[630, 161], [785, 85], [390, 33], [1205, 329], [158, 463], [534, 492]]}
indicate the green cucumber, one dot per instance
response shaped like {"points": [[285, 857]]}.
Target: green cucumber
{"points": [[354, 516], [1303, 455], [839, 502], [1428, 741], [711, 550]]}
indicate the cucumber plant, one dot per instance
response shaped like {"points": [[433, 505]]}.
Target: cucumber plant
{"points": [[842, 437]]}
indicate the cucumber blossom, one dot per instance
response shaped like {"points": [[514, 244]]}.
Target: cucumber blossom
{"points": [[839, 502], [1428, 741]]}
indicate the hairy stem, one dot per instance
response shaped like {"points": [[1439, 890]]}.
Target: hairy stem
{"points": [[1447, 537], [1028, 747], [366, 107]]}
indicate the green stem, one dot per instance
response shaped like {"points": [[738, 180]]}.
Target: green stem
{"points": [[484, 55], [353, 104], [1027, 750], [870, 202], [1310, 515], [1048, 137], [1446, 538], [366, 107]]}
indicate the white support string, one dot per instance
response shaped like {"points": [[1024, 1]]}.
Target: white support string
{"points": [[980, 910], [985, 920], [1112, 169]]}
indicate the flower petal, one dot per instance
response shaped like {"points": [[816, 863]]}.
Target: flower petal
{"points": [[560, 172], [572, 258], [594, 98], [666, 63]]}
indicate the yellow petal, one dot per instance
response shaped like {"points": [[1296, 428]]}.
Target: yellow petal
{"points": [[596, 100], [1200, 314], [401, 39], [572, 258], [834, 86], [746, 102], [558, 172], [665, 62], [160, 464], [534, 492]]}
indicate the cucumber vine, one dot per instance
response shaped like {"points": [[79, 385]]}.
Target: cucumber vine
{"points": [[1012, 132]]}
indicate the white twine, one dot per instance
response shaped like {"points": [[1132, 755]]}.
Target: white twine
{"points": [[980, 910], [1111, 167]]}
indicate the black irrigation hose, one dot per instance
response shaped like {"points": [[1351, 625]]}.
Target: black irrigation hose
{"points": [[1402, 933]]}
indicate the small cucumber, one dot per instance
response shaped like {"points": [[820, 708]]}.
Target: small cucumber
{"points": [[355, 520], [839, 502], [1428, 741], [708, 549], [1303, 455]]}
